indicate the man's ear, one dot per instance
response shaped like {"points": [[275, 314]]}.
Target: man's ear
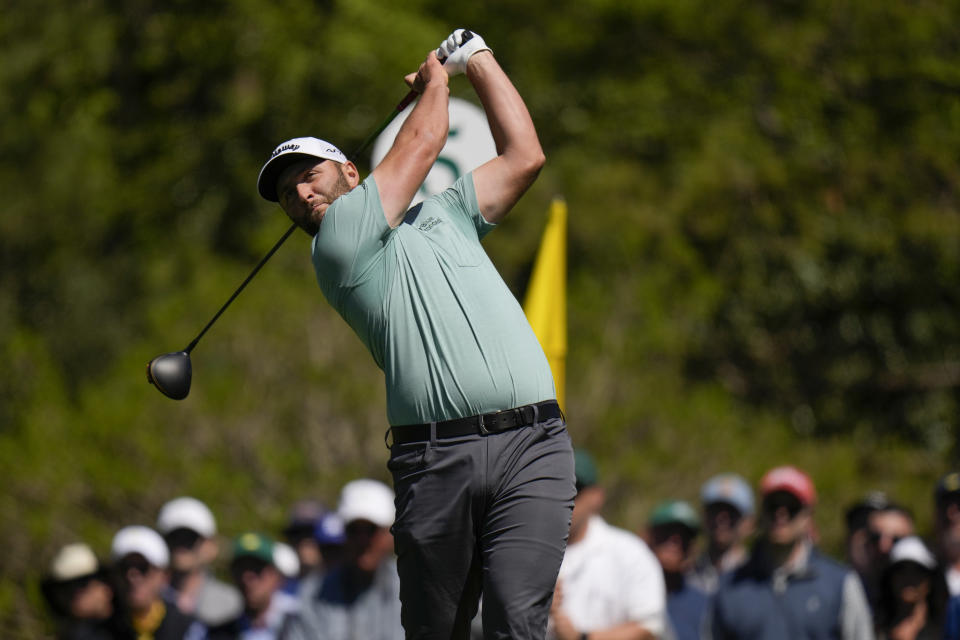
{"points": [[351, 173]]}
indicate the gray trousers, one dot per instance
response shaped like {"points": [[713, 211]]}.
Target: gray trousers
{"points": [[482, 513]]}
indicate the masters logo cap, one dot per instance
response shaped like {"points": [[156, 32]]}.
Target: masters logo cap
{"points": [[254, 545], [288, 153]]}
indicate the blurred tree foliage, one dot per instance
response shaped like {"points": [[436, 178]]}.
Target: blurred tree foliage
{"points": [[764, 248]]}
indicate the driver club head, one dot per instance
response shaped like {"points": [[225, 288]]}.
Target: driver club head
{"points": [[171, 373]]}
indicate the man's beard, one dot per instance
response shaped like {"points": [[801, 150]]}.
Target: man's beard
{"points": [[340, 187]]}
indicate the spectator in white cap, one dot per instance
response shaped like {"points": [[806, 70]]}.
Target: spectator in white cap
{"points": [[360, 598], [79, 594], [141, 560], [728, 518], [913, 594], [190, 531]]}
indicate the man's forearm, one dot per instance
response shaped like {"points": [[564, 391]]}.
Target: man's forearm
{"points": [[428, 121], [417, 144]]}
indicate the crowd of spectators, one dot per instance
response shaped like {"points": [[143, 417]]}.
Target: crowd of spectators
{"points": [[738, 563]]}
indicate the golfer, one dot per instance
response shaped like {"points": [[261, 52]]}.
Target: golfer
{"points": [[481, 460]]}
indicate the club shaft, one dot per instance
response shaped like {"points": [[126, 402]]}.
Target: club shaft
{"points": [[243, 284], [393, 114], [386, 121]]}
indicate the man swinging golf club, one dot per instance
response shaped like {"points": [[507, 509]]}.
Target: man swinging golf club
{"points": [[481, 460]]}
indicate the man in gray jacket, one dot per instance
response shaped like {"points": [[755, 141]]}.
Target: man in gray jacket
{"points": [[359, 599]]}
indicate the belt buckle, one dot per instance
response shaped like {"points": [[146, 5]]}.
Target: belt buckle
{"points": [[527, 414], [483, 427]]}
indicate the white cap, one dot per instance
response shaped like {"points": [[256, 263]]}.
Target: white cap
{"points": [[187, 513], [285, 559], [912, 549], [367, 500], [288, 153], [73, 561], [142, 540]]}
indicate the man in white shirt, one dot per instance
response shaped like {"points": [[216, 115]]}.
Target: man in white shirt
{"points": [[610, 584]]}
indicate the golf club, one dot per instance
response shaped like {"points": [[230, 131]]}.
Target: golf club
{"points": [[171, 373]]}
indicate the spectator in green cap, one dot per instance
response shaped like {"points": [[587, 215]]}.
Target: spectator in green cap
{"points": [[267, 608], [671, 531], [609, 584]]}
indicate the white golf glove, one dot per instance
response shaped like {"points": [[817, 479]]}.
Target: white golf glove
{"points": [[457, 49]]}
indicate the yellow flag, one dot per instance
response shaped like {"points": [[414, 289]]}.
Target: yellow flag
{"points": [[546, 301]]}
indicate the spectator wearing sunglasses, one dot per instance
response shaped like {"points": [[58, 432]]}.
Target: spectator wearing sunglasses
{"points": [[671, 532], [79, 594], [857, 549], [887, 524], [190, 532], [140, 561], [728, 514], [360, 597], [787, 589]]}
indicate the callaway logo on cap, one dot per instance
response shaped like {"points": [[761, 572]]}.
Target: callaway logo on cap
{"points": [[288, 153]]}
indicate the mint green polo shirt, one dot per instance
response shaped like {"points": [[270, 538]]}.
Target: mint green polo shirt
{"points": [[430, 306]]}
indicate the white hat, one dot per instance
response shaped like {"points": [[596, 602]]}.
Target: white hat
{"points": [[912, 549], [367, 500], [187, 513], [73, 561], [288, 153], [142, 540], [285, 559]]}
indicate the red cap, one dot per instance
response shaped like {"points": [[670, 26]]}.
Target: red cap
{"points": [[789, 479]]}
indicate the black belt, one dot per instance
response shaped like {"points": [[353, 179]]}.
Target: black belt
{"points": [[484, 423]]}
